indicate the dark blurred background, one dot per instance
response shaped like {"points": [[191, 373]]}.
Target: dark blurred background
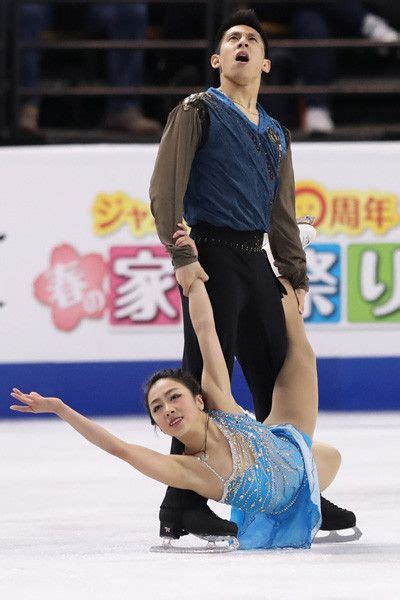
{"points": [[110, 72]]}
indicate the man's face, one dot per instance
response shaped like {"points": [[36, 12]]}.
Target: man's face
{"points": [[242, 55]]}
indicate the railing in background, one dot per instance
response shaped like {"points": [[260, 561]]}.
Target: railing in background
{"points": [[16, 91]]}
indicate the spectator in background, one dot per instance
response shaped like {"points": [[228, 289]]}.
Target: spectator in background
{"points": [[387, 9], [124, 67], [316, 66], [189, 22]]}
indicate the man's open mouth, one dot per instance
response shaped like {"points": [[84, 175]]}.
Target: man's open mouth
{"points": [[242, 57]]}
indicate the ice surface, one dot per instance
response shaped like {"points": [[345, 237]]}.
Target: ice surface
{"points": [[77, 523]]}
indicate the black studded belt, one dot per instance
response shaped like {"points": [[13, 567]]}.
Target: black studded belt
{"points": [[244, 241]]}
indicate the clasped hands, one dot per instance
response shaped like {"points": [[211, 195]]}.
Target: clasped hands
{"points": [[187, 274]]}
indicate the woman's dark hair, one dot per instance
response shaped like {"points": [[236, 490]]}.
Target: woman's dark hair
{"points": [[241, 17], [182, 377]]}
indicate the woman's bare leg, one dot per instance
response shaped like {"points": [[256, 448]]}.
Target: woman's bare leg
{"points": [[328, 459], [295, 397]]}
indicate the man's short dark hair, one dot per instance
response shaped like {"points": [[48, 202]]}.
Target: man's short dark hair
{"points": [[241, 17]]}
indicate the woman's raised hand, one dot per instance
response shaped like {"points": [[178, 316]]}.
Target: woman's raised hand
{"points": [[34, 403], [182, 238]]}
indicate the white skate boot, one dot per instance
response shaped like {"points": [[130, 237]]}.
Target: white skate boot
{"points": [[307, 235]]}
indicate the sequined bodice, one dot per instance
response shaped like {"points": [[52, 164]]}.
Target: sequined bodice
{"points": [[268, 468]]}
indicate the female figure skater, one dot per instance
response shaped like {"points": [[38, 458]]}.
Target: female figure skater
{"points": [[266, 471]]}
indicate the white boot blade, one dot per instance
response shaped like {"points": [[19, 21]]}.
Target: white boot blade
{"points": [[334, 537], [307, 234], [211, 548], [307, 219]]}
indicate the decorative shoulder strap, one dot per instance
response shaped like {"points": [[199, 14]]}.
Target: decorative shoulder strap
{"points": [[197, 102], [204, 461], [193, 100]]}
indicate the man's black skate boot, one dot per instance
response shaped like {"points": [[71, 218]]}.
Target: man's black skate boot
{"points": [[334, 517], [187, 512], [171, 523]]}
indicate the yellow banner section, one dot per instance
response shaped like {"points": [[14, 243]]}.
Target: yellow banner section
{"points": [[338, 211], [347, 211], [112, 211]]}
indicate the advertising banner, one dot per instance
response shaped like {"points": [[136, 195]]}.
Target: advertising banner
{"points": [[86, 285]]}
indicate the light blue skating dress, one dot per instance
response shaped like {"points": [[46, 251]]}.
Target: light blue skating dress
{"points": [[273, 488]]}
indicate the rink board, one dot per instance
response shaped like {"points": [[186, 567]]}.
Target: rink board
{"points": [[351, 384], [89, 305]]}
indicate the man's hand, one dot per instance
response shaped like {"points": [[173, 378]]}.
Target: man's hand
{"points": [[34, 403], [182, 238], [300, 295], [186, 275]]}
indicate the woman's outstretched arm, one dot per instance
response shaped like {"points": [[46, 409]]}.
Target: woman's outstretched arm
{"points": [[176, 471], [215, 376], [215, 379]]}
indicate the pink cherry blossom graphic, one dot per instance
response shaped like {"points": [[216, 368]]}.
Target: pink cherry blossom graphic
{"points": [[73, 287]]}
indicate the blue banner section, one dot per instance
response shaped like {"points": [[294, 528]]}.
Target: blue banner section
{"points": [[323, 303], [115, 388]]}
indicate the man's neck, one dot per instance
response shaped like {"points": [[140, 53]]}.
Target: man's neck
{"points": [[245, 95]]}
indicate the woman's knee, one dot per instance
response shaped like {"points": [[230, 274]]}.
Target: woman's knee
{"points": [[334, 461], [336, 458], [328, 460], [331, 456]]}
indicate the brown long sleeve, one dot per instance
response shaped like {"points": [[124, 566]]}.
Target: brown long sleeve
{"points": [[181, 138], [284, 239]]}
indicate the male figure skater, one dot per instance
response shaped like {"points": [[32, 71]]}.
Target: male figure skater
{"points": [[225, 165]]}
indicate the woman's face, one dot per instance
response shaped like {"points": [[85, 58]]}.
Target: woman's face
{"points": [[173, 407]]}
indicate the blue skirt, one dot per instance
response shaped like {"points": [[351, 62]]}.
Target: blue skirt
{"points": [[294, 527]]}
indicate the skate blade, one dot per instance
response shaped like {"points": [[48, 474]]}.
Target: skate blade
{"points": [[211, 548], [335, 537], [306, 220]]}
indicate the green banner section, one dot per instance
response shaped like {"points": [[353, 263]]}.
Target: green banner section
{"points": [[373, 283]]}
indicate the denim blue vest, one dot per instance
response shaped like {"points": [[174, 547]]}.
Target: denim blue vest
{"points": [[234, 177]]}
